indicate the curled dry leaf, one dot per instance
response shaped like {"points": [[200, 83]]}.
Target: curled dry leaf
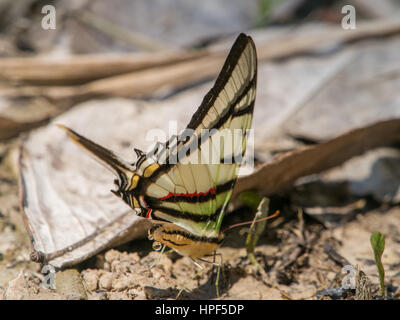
{"points": [[84, 68], [283, 171], [67, 205]]}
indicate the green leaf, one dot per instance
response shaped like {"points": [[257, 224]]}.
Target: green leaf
{"points": [[378, 245], [250, 199], [256, 229]]}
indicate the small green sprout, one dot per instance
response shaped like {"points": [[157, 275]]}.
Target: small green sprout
{"points": [[259, 205], [378, 245]]}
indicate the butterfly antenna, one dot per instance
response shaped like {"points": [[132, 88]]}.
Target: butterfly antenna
{"points": [[277, 212]]}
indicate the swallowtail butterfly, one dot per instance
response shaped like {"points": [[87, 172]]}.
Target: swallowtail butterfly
{"points": [[186, 199]]}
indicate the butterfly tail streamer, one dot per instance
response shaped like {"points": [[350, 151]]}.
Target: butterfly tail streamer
{"points": [[110, 160]]}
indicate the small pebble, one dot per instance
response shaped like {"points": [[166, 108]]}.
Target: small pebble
{"points": [[106, 280], [112, 255], [118, 296], [90, 278], [120, 284]]}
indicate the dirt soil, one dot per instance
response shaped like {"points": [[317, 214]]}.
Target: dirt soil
{"points": [[300, 258]]}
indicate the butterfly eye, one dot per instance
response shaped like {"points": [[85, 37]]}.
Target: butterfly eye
{"points": [[116, 182], [117, 192]]}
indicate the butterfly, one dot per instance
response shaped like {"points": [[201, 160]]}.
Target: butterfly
{"points": [[185, 184]]}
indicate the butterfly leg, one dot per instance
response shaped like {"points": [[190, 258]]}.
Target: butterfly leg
{"points": [[159, 257], [219, 267], [197, 264], [192, 278]]}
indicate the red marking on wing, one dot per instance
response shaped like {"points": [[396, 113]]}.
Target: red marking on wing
{"points": [[149, 210], [189, 195]]}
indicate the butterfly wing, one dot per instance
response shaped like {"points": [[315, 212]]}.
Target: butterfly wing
{"points": [[188, 181], [194, 192]]}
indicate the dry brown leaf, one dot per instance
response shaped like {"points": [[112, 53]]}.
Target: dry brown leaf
{"points": [[43, 70], [282, 172], [10, 128]]}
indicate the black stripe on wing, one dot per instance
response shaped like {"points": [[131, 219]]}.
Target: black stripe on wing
{"points": [[193, 237], [182, 215], [197, 199], [230, 63], [221, 121], [237, 52]]}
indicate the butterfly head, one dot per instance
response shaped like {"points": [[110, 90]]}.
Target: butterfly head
{"points": [[130, 182], [126, 188]]}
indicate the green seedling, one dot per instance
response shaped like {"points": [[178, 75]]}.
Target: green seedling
{"points": [[378, 245], [260, 206]]}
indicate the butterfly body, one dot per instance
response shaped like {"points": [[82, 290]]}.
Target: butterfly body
{"points": [[185, 184]]}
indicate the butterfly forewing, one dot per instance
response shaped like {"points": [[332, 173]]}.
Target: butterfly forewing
{"points": [[203, 179]]}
